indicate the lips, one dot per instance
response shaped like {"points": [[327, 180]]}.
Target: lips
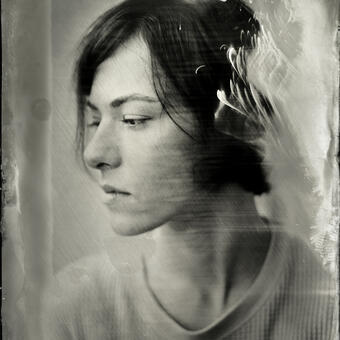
{"points": [[109, 189], [113, 195]]}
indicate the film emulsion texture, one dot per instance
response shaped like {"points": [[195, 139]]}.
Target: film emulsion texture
{"points": [[53, 213]]}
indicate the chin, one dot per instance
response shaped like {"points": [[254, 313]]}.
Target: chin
{"points": [[134, 225]]}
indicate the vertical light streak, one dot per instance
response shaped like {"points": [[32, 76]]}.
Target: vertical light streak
{"points": [[31, 106]]}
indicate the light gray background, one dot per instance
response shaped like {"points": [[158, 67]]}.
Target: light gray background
{"points": [[80, 220]]}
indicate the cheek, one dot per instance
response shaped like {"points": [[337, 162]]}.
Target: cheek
{"points": [[163, 167]]}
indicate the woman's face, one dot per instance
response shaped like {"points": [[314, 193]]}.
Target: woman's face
{"points": [[142, 160]]}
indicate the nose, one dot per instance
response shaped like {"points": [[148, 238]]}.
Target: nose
{"points": [[102, 151]]}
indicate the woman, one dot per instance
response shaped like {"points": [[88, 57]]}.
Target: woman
{"points": [[163, 128]]}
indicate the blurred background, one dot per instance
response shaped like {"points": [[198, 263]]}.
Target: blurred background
{"points": [[80, 219]]}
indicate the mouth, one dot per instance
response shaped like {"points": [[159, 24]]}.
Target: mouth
{"points": [[113, 194], [109, 189]]}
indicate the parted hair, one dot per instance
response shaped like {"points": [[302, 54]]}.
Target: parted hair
{"points": [[188, 41]]}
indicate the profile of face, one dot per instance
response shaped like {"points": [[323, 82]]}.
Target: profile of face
{"points": [[141, 159]]}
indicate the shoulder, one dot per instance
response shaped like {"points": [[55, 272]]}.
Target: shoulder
{"points": [[306, 268], [77, 294], [308, 291], [87, 276]]}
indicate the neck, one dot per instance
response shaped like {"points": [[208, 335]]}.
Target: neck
{"points": [[202, 243], [214, 246]]}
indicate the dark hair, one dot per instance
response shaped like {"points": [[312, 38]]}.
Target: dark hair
{"points": [[188, 42]]}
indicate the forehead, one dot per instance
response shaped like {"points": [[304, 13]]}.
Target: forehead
{"points": [[127, 71]]}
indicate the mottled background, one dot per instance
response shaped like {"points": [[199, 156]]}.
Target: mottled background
{"points": [[52, 213]]}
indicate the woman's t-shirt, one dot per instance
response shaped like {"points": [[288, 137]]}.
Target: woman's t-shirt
{"points": [[293, 298]]}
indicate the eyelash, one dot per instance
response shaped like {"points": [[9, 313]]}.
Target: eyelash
{"points": [[137, 121], [127, 121], [95, 123]]}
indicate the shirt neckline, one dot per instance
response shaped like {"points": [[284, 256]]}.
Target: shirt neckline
{"points": [[233, 316]]}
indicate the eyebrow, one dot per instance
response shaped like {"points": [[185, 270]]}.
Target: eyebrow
{"points": [[125, 99]]}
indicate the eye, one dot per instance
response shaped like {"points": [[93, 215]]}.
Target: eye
{"points": [[92, 116], [135, 120], [92, 120], [93, 123]]}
